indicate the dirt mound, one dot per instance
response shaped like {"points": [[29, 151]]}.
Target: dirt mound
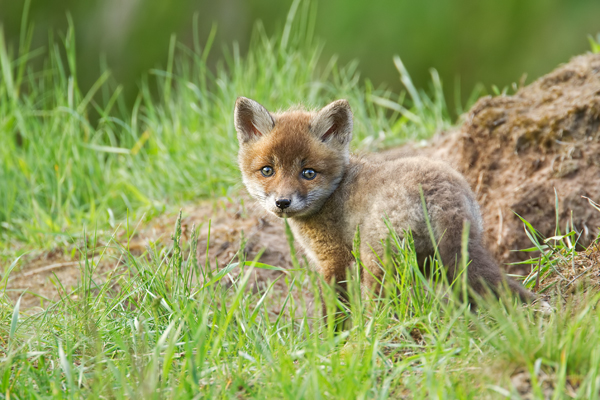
{"points": [[516, 151]]}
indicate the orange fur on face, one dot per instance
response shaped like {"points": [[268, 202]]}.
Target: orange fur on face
{"points": [[290, 148]]}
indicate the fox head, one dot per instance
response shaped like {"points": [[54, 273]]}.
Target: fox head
{"points": [[293, 161]]}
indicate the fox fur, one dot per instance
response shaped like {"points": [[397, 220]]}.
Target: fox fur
{"points": [[324, 209]]}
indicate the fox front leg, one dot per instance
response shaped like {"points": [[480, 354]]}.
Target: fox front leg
{"points": [[334, 284]]}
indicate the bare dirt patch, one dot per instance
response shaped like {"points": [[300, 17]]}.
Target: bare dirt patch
{"points": [[233, 230]]}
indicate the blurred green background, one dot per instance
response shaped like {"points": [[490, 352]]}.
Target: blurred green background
{"points": [[492, 42]]}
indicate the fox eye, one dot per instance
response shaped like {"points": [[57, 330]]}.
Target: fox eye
{"points": [[267, 171], [309, 174]]}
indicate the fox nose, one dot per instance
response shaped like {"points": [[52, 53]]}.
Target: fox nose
{"points": [[283, 203]]}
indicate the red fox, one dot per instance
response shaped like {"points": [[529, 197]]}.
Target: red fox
{"points": [[298, 165]]}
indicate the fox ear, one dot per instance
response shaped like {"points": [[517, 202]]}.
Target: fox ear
{"points": [[333, 123], [251, 119]]}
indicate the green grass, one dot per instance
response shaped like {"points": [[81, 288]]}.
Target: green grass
{"points": [[62, 168], [163, 326]]}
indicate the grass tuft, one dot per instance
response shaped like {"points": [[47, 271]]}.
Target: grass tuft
{"points": [[160, 326]]}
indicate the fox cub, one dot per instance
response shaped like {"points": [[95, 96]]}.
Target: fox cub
{"points": [[297, 164]]}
